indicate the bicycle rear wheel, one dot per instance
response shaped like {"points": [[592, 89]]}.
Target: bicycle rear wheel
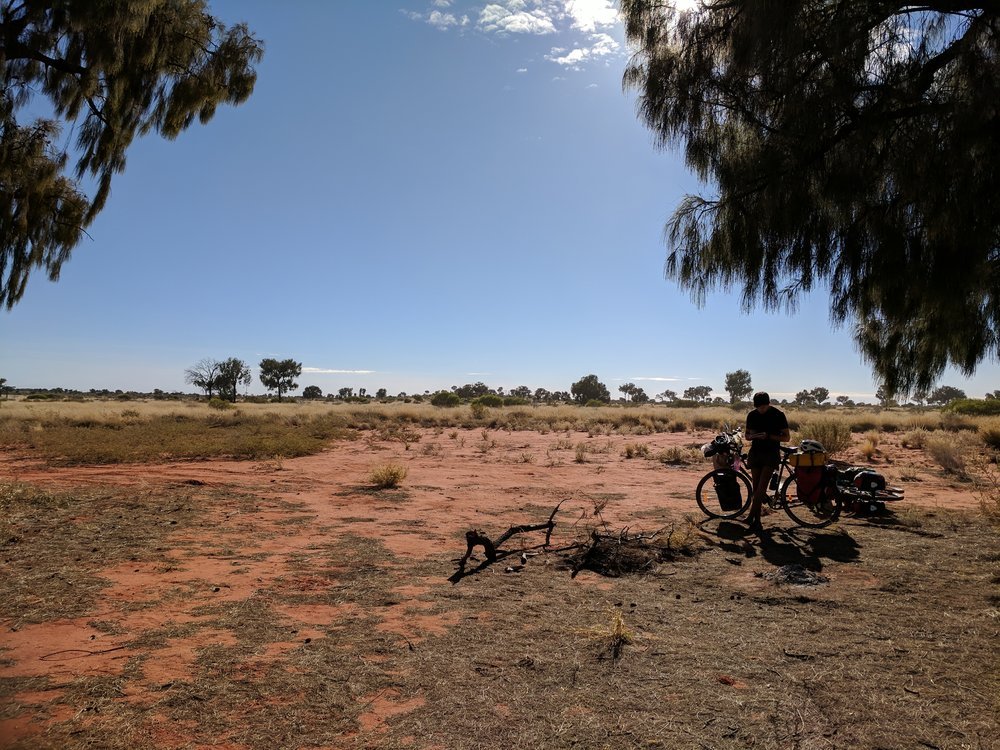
{"points": [[815, 514], [724, 493]]}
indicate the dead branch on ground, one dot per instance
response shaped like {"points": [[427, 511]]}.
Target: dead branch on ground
{"points": [[477, 538], [606, 553]]}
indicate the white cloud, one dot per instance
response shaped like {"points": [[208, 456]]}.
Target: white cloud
{"points": [[580, 24], [601, 45], [324, 371], [513, 17], [658, 379], [591, 15], [442, 20]]}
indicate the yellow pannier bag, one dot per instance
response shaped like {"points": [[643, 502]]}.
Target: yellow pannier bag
{"points": [[807, 459]]}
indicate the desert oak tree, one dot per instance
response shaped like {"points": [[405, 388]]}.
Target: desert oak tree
{"points": [[738, 385], [279, 375], [232, 374], [848, 146], [113, 70], [589, 388]]}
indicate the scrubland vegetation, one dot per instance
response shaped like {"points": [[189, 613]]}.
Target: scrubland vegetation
{"points": [[98, 431]]}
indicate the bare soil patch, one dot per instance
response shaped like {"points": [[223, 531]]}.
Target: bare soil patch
{"points": [[287, 604]]}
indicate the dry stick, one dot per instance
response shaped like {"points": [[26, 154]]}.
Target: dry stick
{"points": [[476, 538]]}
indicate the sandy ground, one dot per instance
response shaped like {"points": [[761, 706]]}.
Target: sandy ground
{"points": [[457, 480]]}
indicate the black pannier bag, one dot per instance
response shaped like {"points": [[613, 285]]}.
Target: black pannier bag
{"points": [[727, 488], [869, 481]]}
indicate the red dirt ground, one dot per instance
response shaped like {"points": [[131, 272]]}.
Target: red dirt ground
{"points": [[453, 484]]}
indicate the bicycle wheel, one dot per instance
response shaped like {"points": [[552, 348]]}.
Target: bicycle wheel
{"points": [[816, 514], [724, 493]]}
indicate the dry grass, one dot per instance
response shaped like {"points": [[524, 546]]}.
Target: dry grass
{"points": [[708, 655], [117, 438], [916, 438], [949, 451], [988, 487], [387, 476], [69, 432], [635, 450], [834, 434]]}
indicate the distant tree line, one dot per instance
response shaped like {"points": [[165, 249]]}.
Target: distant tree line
{"points": [[223, 378]]}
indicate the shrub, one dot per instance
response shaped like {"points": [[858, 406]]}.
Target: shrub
{"points": [[835, 435], [988, 489], [387, 476], [675, 456], [954, 422], [594, 402], [633, 450], [515, 401], [218, 403], [915, 438], [991, 437], [948, 453], [974, 407], [581, 453], [478, 410], [489, 399], [445, 398]]}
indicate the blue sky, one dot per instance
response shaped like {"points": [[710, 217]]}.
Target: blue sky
{"points": [[418, 195]]}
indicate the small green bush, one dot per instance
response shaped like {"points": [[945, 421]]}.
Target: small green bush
{"points": [[515, 401], [445, 398], [974, 407], [489, 399], [218, 403], [595, 402]]}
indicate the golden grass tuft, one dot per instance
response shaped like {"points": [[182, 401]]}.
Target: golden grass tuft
{"points": [[387, 476]]}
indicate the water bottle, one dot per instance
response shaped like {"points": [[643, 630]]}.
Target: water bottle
{"points": [[773, 484]]}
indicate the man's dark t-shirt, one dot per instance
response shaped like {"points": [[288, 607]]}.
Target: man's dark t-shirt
{"points": [[772, 422]]}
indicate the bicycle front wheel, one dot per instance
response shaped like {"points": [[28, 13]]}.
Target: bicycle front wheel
{"points": [[724, 493], [808, 512]]}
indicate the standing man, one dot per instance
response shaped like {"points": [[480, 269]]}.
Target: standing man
{"points": [[766, 428]]}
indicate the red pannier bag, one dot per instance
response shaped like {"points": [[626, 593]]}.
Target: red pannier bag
{"points": [[809, 480]]}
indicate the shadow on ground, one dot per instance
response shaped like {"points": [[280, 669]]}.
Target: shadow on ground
{"points": [[796, 546]]}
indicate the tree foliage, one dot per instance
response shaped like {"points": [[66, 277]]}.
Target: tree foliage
{"points": [[698, 393], [589, 388], [446, 398], [805, 398], [113, 70], [738, 385], [233, 373], [847, 145], [944, 394], [279, 375], [312, 391], [820, 394]]}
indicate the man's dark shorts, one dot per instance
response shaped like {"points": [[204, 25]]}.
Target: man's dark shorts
{"points": [[763, 462]]}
